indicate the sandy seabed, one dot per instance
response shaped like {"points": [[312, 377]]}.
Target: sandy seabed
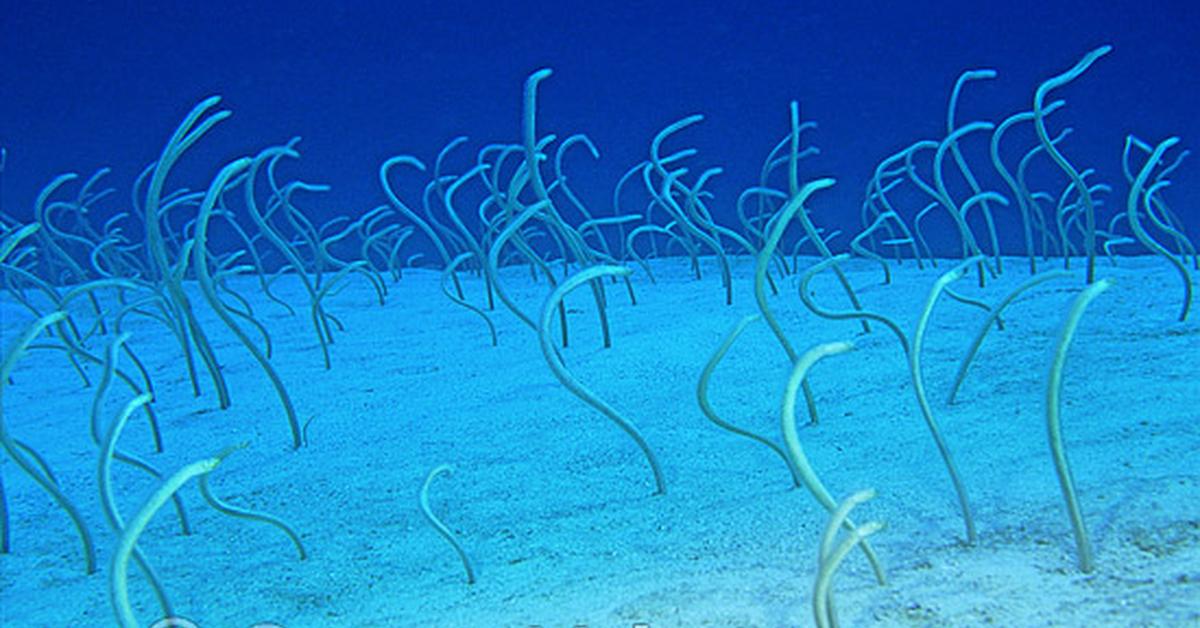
{"points": [[554, 503]]}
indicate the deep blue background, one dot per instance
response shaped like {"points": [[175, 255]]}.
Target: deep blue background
{"points": [[89, 84]]}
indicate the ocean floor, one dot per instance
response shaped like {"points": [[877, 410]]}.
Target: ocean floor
{"points": [[554, 503]]}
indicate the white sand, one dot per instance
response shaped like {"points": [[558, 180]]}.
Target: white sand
{"points": [[554, 503]]}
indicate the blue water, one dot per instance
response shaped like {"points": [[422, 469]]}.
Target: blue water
{"points": [[95, 84]]}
